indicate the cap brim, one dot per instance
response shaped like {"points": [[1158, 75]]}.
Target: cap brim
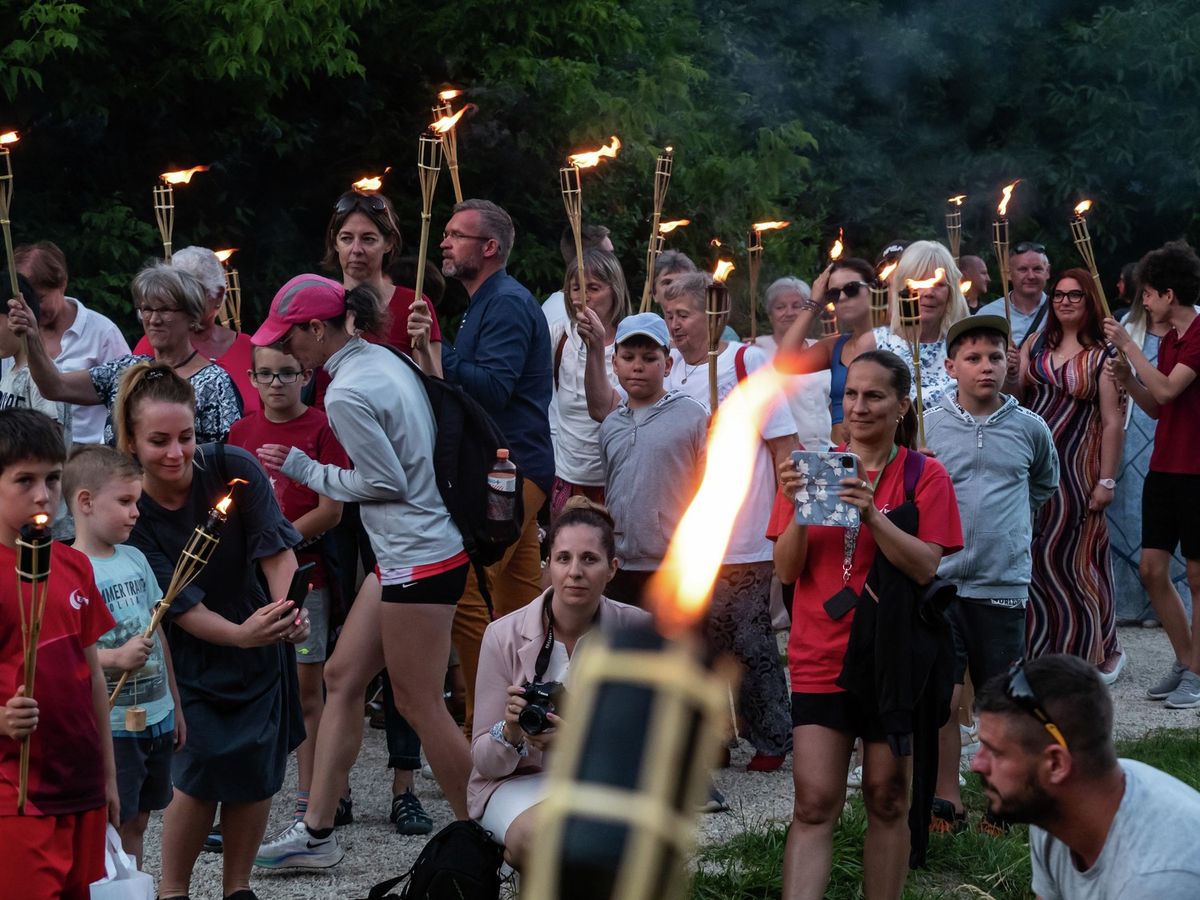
{"points": [[637, 332], [270, 332]]}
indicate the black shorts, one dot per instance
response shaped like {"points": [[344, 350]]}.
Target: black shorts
{"points": [[987, 639], [1171, 513], [841, 711], [443, 589], [143, 773]]}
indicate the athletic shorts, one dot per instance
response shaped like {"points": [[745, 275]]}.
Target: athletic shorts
{"points": [[442, 589], [52, 856], [143, 773], [316, 648], [1170, 517], [841, 711], [988, 638]]}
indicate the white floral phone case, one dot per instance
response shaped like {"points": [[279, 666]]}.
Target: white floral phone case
{"points": [[817, 502]]}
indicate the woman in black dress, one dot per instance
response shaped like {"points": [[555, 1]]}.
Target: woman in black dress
{"points": [[235, 668]]}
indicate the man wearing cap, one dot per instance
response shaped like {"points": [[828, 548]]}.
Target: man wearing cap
{"points": [[1002, 461], [501, 357], [1101, 828], [1029, 268]]}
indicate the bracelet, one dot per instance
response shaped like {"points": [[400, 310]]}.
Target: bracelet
{"points": [[811, 305], [497, 734]]}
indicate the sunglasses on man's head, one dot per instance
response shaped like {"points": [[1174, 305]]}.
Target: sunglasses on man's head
{"points": [[1018, 689], [1028, 247], [850, 289]]}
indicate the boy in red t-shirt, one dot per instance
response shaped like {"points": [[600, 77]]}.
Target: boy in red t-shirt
{"points": [[285, 421], [56, 849], [1170, 393]]}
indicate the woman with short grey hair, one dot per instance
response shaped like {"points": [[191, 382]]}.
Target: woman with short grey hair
{"points": [[169, 303]]}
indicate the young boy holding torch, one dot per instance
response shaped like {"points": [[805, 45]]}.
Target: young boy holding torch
{"points": [[1002, 461], [56, 849], [102, 486]]}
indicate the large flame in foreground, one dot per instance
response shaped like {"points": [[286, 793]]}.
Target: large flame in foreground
{"points": [[679, 592], [593, 157]]}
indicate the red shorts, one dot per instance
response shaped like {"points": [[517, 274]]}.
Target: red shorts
{"points": [[52, 856]]}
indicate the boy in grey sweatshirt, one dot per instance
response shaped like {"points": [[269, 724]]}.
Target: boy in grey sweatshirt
{"points": [[1002, 461]]}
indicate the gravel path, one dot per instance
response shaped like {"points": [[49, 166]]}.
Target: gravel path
{"points": [[375, 852]]}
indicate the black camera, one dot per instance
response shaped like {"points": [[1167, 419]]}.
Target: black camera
{"points": [[541, 699]]}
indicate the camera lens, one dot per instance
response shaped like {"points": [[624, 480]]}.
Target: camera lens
{"points": [[847, 462]]}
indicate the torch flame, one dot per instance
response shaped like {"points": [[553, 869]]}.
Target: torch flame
{"points": [[369, 184], [1083, 207], [445, 123], [224, 504], [449, 94], [593, 157], [964, 286], [1002, 209], [835, 252], [9, 137], [669, 149], [715, 242], [182, 176], [41, 520], [957, 199], [769, 226], [914, 286], [721, 272], [887, 271], [668, 227], [830, 308], [680, 589], [223, 255]]}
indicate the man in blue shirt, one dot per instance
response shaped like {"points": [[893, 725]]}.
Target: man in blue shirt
{"points": [[501, 357], [1029, 268]]}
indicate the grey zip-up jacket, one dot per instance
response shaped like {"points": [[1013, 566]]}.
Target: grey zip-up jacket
{"points": [[651, 470], [1003, 468], [380, 413]]}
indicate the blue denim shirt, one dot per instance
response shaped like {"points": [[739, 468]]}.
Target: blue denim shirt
{"points": [[501, 357]]}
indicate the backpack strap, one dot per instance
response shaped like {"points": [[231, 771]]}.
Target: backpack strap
{"points": [[914, 468], [739, 363], [1037, 320], [558, 355]]}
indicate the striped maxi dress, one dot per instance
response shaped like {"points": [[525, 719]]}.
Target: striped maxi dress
{"points": [[1070, 606]]}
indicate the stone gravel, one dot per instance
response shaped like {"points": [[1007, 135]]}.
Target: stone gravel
{"points": [[375, 852]]}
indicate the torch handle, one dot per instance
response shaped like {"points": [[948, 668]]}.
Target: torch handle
{"points": [[422, 252], [156, 618]]}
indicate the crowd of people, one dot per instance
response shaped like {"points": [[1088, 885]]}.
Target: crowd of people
{"points": [[982, 540]]}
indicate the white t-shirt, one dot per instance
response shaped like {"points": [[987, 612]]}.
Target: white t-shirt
{"points": [[555, 311], [749, 541], [576, 434], [92, 339], [1150, 850], [808, 399]]}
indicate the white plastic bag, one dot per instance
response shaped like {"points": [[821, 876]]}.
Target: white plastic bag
{"points": [[122, 880]]}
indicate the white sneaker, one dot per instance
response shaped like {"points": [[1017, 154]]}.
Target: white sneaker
{"points": [[296, 847], [1187, 695]]}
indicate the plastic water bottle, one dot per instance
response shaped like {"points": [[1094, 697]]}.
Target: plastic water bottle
{"points": [[502, 494]]}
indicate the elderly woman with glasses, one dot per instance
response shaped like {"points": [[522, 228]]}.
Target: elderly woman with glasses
{"points": [[1061, 379], [363, 241], [169, 303]]}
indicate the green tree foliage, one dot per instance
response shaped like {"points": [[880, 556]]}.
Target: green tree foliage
{"points": [[857, 113]]}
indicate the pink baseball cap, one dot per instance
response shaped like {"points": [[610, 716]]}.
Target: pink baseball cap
{"points": [[304, 298]]}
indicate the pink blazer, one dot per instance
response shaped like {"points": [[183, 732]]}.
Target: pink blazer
{"points": [[508, 656]]}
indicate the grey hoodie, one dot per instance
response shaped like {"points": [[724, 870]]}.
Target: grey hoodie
{"points": [[1003, 468], [653, 459]]}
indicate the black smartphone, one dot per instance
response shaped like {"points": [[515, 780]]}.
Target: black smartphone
{"points": [[298, 589]]}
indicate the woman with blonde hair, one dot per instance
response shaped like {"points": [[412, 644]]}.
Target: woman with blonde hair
{"points": [[941, 305]]}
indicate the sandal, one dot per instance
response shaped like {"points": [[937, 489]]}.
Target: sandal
{"points": [[409, 816]]}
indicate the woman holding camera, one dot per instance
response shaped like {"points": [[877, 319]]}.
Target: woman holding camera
{"points": [[525, 658]]}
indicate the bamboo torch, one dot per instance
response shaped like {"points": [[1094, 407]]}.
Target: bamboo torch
{"points": [[164, 203], [6, 191], [662, 180], [754, 251], [1000, 241], [910, 321], [658, 242], [572, 193], [716, 305], [442, 114], [231, 304], [429, 164], [879, 296], [195, 556], [1083, 243], [33, 569], [954, 224]]}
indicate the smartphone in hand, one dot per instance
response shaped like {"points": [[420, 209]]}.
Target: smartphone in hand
{"points": [[817, 502], [299, 588]]}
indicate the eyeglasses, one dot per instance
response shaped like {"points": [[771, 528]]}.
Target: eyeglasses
{"points": [[284, 341], [850, 289], [459, 236], [1027, 247], [1068, 296], [148, 312], [1018, 689], [266, 377]]}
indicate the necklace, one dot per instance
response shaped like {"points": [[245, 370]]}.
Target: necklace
{"points": [[689, 372], [180, 365]]}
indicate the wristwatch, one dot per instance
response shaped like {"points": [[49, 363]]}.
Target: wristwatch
{"points": [[1107, 483]]}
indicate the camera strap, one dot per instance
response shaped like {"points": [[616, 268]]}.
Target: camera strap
{"points": [[543, 657]]}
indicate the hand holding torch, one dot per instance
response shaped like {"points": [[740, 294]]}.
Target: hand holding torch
{"points": [[33, 568]]}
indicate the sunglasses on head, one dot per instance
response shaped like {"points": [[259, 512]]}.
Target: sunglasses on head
{"points": [[354, 200], [850, 289], [1028, 247], [1018, 689]]}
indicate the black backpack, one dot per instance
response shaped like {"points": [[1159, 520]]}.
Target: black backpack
{"points": [[463, 454], [460, 862]]}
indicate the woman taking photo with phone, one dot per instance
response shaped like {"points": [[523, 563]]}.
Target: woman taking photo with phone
{"points": [[830, 567]]}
